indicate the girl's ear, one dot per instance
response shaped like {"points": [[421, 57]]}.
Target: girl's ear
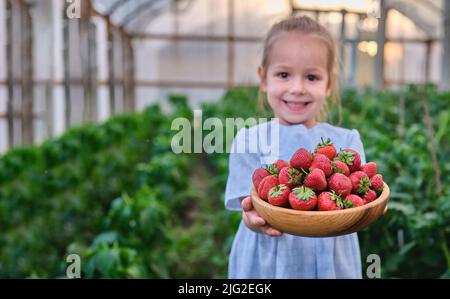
{"points": [[262, 79]]}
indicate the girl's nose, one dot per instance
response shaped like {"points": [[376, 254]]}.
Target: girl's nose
{"points": [[297, 87]]}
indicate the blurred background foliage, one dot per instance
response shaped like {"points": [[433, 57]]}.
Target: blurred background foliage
{"points": [[117, 195]]}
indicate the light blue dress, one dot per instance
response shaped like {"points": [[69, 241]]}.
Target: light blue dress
{"points": [[256, 255]]}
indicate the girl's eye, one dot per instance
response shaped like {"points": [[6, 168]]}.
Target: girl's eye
{"points": [[283, 75], [312, 77]]}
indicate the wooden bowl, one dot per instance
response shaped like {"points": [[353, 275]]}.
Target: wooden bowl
{"points": [[321, 223]]}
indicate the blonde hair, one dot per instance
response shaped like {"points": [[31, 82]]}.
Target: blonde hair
{"points": [[306, 25]]}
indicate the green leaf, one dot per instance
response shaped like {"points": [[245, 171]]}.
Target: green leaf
{"points": [[106, 238], [104, 262], [407, 209], [446, 275]]}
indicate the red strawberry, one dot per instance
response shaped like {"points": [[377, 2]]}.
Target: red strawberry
{"points": [[360, 182], [322, 162], [370, 169], [326, 148], [351, 158], [377, 183], [275, 168], [340, 184], [369, 197], [329, 201], [290, 176], [353, 200], [303, 198], [301, 159], [316, 180], [266, 184], [279, 195], [340, 167], [258, 175]]}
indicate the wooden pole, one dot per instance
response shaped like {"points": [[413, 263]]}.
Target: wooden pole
{"points": [[93, 69], [445, 82], [10, 72], [83, 25], [49, 109], [89, 62], [67, 77], [378, 80], [427, 60], [342, 49], [128, 74], [27, 75], [230, 51], [111, 80]]}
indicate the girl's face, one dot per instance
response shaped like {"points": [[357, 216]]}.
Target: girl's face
{"points": [[296, 80]]}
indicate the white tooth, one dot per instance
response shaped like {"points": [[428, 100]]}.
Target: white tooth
{"points": [[295, 104]]}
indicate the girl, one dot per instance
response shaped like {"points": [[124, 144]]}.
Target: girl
{"points": [[298, 74]]}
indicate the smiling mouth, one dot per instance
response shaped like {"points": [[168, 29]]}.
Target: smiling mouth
{"points": [[296, 106]]}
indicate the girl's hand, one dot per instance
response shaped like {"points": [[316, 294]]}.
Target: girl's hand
{"points": [[255, 222]]}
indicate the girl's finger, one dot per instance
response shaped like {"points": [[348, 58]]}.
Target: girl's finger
{"points": [[245, 218], [247, 204], [252, 219], [255, 219], [256, 227], [271, 231]]}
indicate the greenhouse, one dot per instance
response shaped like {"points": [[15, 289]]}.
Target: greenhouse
{"points": [[95, 95]]}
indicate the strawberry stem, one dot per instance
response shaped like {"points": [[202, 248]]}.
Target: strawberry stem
{"points": [[304, 193]]}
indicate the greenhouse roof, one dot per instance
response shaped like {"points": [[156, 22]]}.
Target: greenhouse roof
{"points": [[125, 12], [426, 14]]}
